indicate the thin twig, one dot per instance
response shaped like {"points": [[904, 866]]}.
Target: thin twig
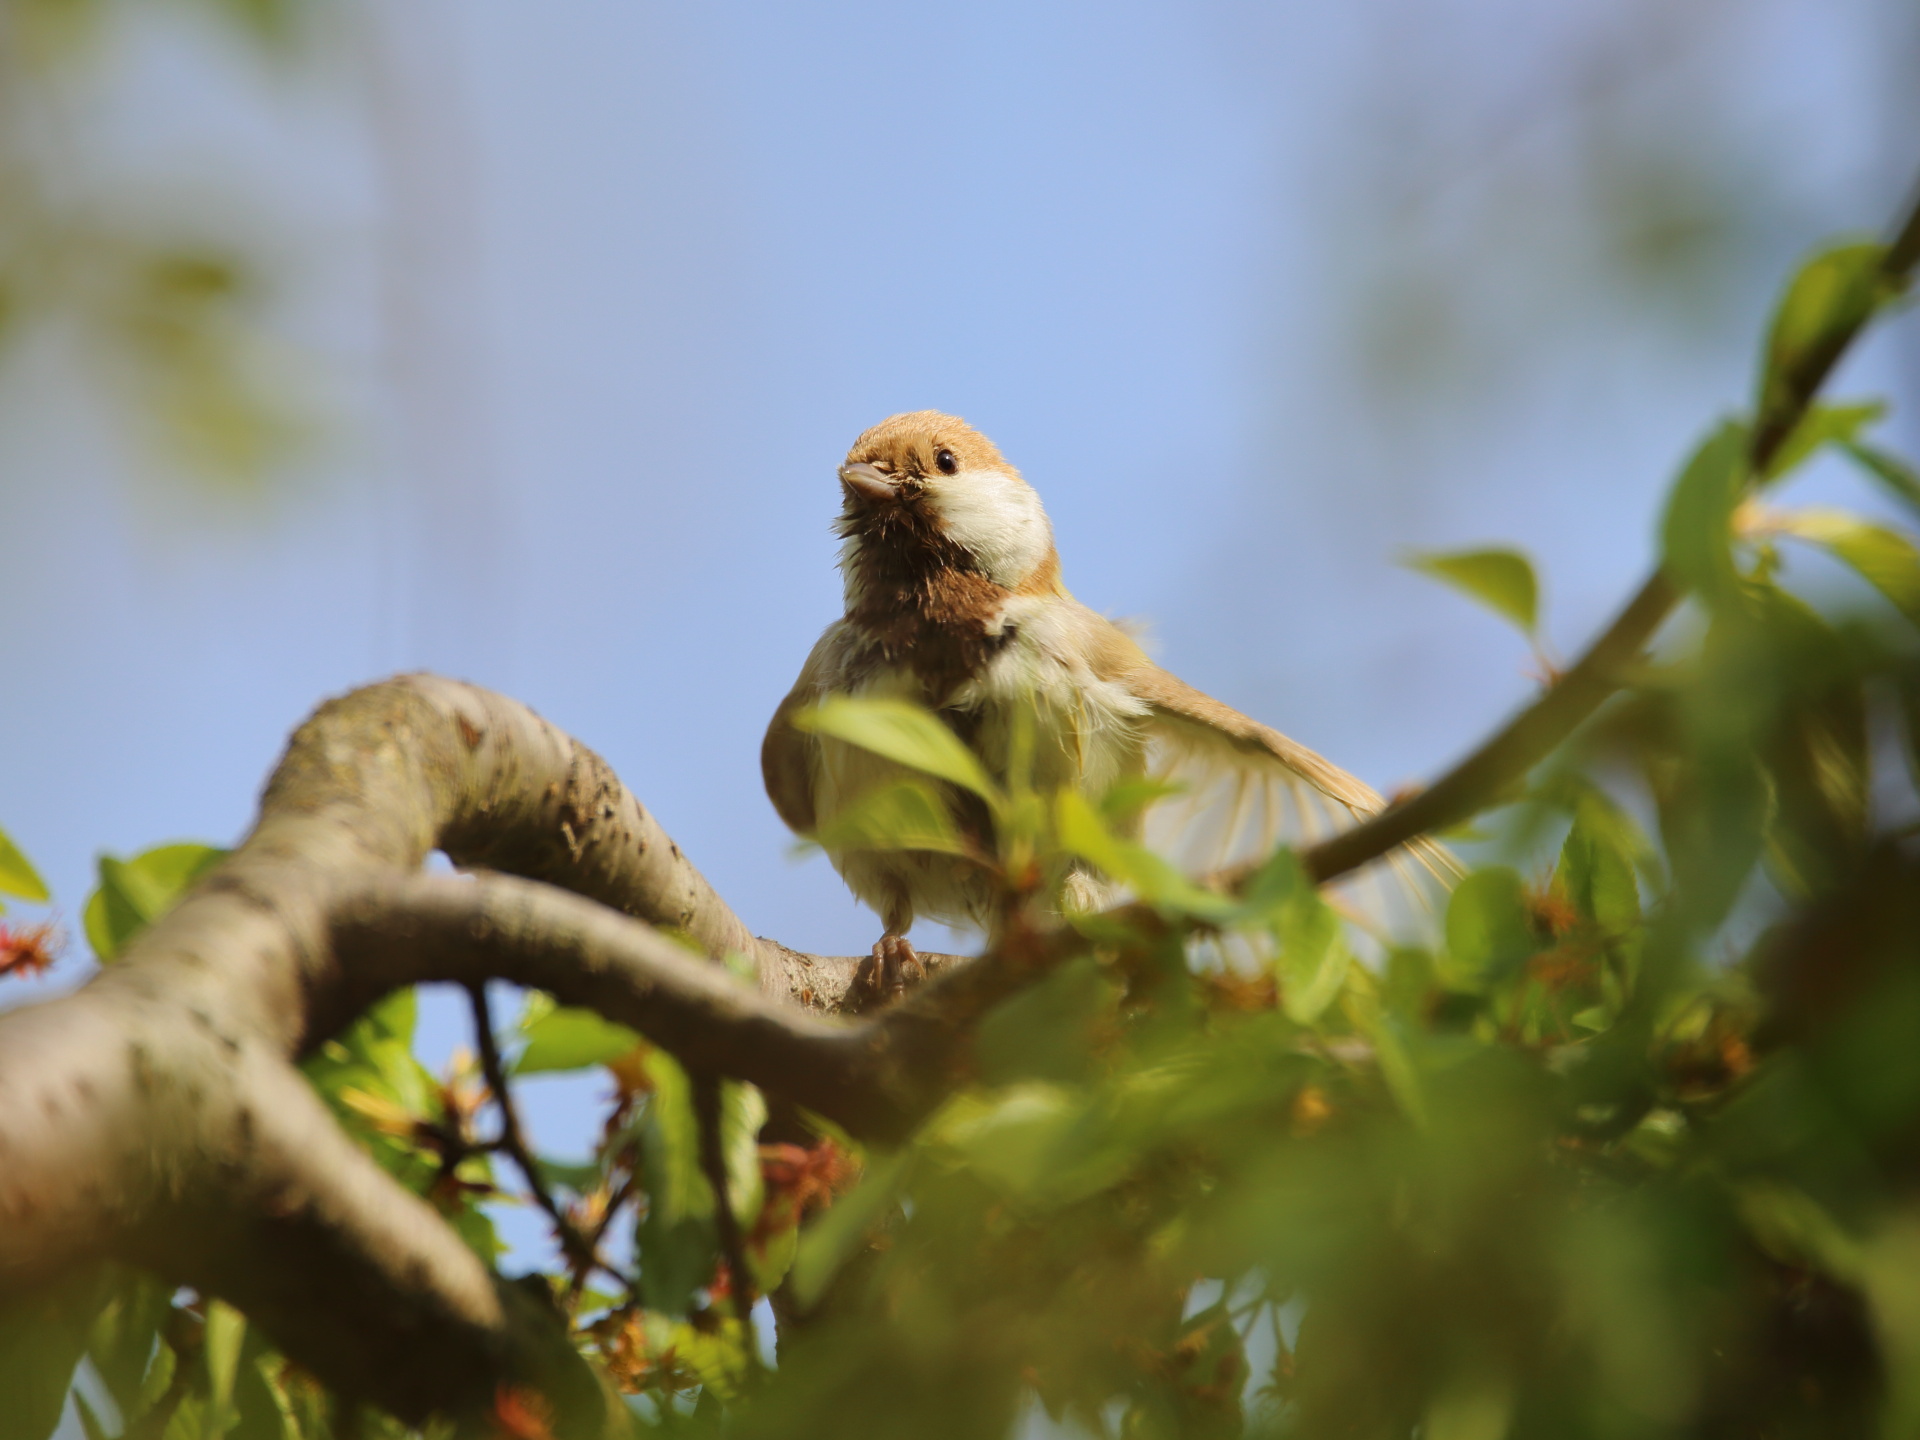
{"points": [[1536, 731], [576, 1281], [582, 1256]]}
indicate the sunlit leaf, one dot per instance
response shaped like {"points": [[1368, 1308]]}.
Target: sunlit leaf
{"points": [[134, 893], [1830, 297], [579, 1176], [1501, 579], [1488, 933], [1311, 958], [1883, 557], [1895, 475], [122, 1342], [1837, 425], [676, 1237], [1597, 870], [562, 1037], [903, 733], [17, 875], [903, 816], [1696, 534], [1157, 881], [222, 1336]]}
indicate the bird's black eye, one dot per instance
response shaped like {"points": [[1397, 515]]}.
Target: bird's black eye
{"points": [[944, 459]]}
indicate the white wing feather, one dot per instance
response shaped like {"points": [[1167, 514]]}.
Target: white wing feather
{"points": [[1245, 789]]}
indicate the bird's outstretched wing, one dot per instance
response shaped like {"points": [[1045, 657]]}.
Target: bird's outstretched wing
{"points": [[1246, 788]]}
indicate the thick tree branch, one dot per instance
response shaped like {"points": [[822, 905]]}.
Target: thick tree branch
{"points": [[155, 1115]]}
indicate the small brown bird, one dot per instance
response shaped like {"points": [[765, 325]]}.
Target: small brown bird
{"points": [[954, 601]]}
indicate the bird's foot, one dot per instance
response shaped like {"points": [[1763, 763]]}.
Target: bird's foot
{"points": [[888, 973]]}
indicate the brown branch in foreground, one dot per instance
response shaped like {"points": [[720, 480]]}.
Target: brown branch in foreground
{"points": [[1533, 734]]}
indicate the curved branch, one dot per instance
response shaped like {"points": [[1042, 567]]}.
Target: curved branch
{"points": [[1533, 734], [155, 1115]]}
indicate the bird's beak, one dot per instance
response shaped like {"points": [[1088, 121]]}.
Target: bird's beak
{"points": [[866, 482]]}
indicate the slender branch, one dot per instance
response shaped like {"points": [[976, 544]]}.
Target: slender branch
{"points": [[582, 1255], [390, 932], [1533, 734]]}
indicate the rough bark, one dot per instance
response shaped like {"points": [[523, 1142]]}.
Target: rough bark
{"points": [[156, 1115]]}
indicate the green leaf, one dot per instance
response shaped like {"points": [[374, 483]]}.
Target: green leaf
{"points": [[225, 1333], [262, 1408], [1596, 870], [1312, 959], [134, 893], [1883, 557], [43, 1333], [121, 1343], [903, 733], [1697, 533], [906, 815], [675, 1239], [374, 1057], [1397, 1069], [1488, 933], [17, 875], [562, 1037], [1895, 475], [1795, 1229], [1082, 833], [1822, 425], [577, 1176], [1499, 578], [1831, 296]]}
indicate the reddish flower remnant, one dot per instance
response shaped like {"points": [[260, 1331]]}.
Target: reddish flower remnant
{"points": [[806, 1178], [27, 950], [520, 1414], [798, 1180]]}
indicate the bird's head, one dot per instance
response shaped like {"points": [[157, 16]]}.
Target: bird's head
{"points": [[927, 491]]}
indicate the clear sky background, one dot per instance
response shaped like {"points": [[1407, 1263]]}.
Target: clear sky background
{"points": [[583, 303]]}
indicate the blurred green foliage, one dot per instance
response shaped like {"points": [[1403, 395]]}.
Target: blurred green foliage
{"points": [[170, 314], [1629, 1147]]}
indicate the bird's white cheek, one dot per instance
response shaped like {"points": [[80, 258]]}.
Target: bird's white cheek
{"points": [[997, 518]]}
